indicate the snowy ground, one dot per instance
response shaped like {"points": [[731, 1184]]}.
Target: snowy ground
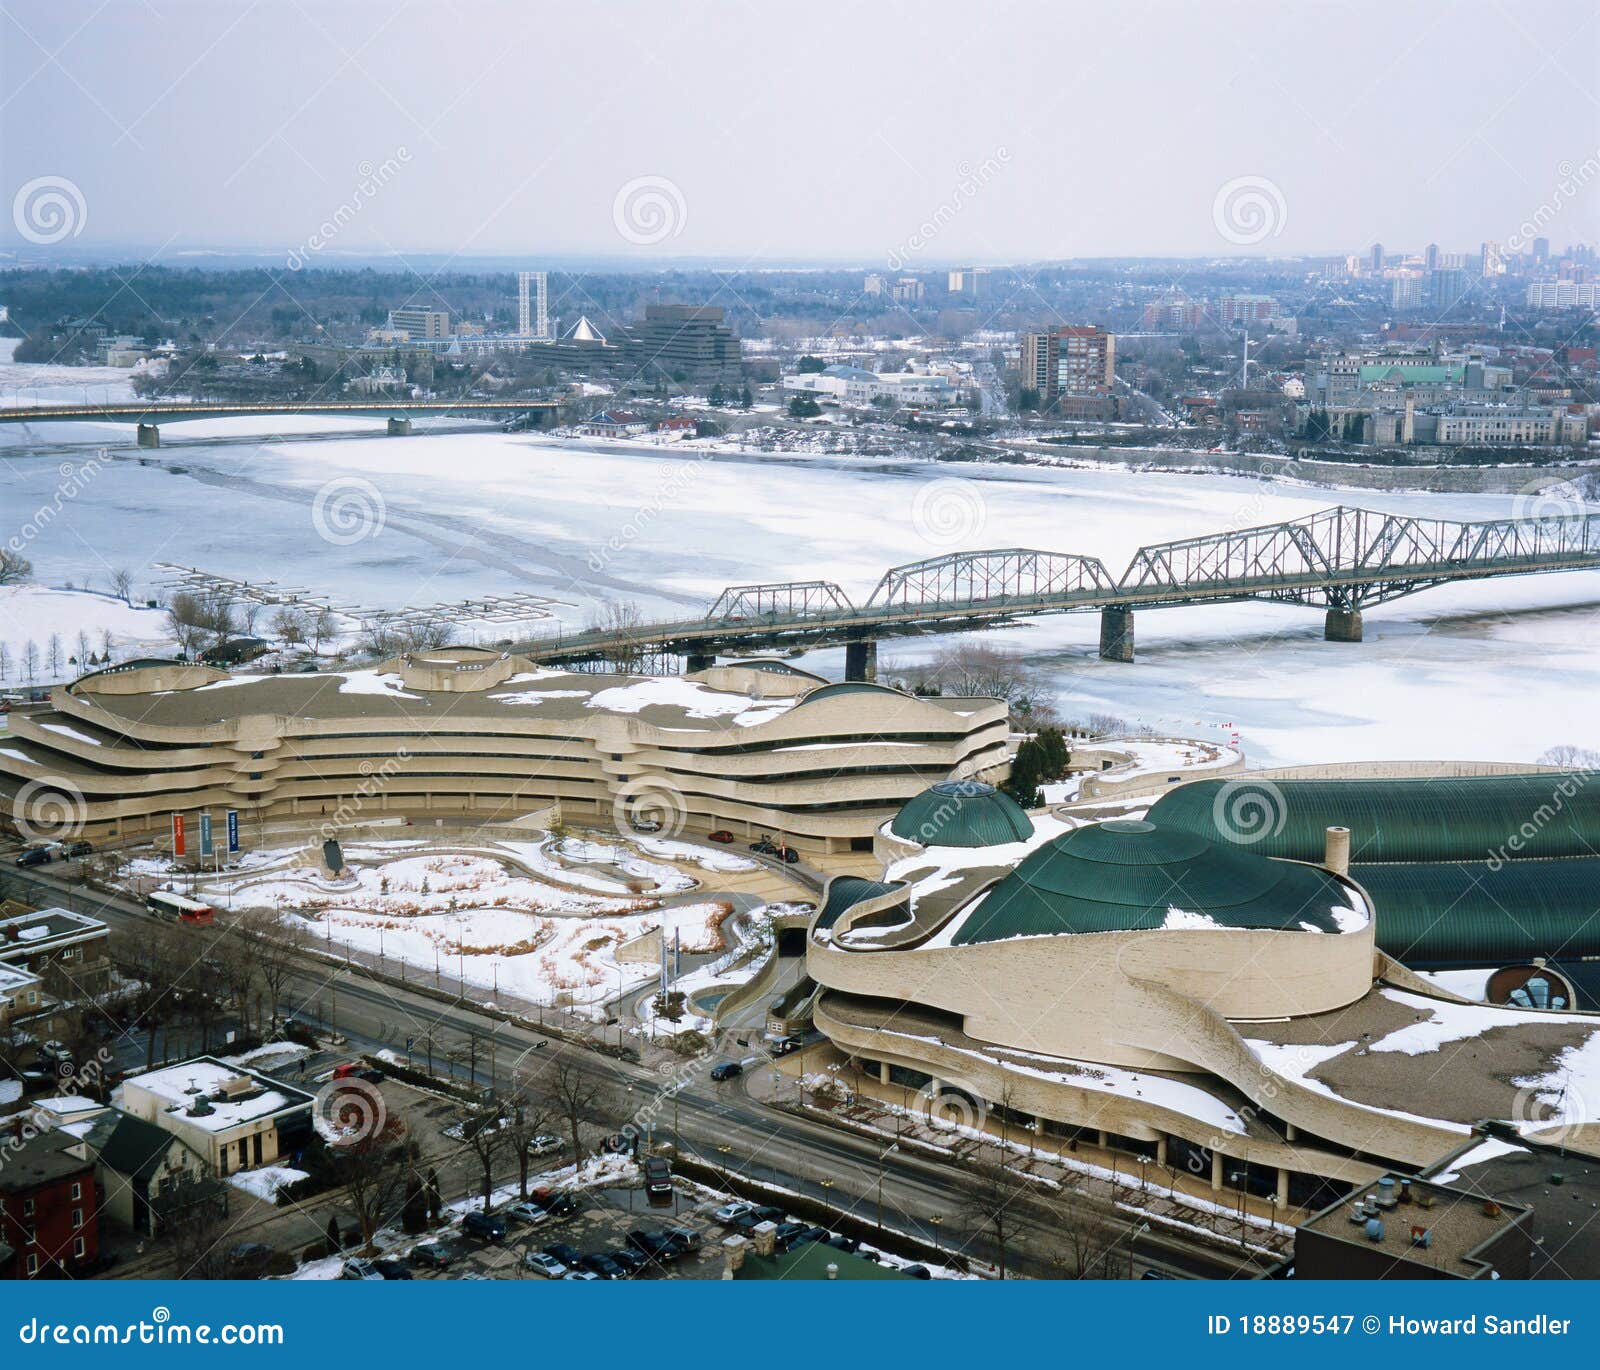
{"points": [[1442, 674]]}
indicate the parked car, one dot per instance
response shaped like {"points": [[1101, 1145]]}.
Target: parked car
{"points": [[436, 1255], [599, 1264], [392, 1269], [545, 1144], [564, 1252], [248, 1261], [34, 856], [53, 1050], [839, 1242], [645, 824], [657, 1176], [580, 1275], [352, 1070], [732, 1212], [358, 1269], [787, 1234], [756, 1216], [78, 848], [543, 1263], [784, 1045], [726, 1070], [486, 1227], [720, 835], [527, 1212], [632, 1262], [811, 1234], [657, 1246], [917, 1272], [686, 1237]]}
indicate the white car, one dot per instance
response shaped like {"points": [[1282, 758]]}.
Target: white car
{"points": [[731, 1213], [529, 1212], [580, 1275], [544, 1144], [543, 1263]]}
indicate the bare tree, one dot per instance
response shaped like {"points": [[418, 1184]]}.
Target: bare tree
{"points": [[323, 628], [84, 649], [275, 943], [122, 584], [30, 660], [53, 658], [991, 1194], [576, 1098], [373, 1158], [289, 626], [486, 1137], [14, 567], [621, 619], [528, 1116]]}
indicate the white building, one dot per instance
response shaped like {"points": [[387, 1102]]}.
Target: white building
{"points": [[853, 385]]}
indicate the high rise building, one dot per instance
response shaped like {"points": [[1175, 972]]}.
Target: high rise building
{"points": [[1541, 250], [967, 280], [874, 285], [683, 343], [1446, 287], [420, 323], [1375, 258], [533, 304], [1041, 355], [1088, 360], [1430, 257]]}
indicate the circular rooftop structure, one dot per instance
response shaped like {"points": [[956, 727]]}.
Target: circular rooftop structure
{"points": [[1131, 875], [961, 813]]}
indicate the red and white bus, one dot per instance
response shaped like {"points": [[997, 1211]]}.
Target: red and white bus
{"points": [[179, 908]]}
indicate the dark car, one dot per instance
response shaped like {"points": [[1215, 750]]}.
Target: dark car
{"points": [[392, 1269], [601, 1264], [486, 1227], [435, 1255], [78, 848], [657, 1176], [787, 1235], [564, 1252], [686, 1237], [756, 1217], [811, 1234], [839, 1242], [558, 1203], [657, 1246], [727, 1070], [917, 1272], [34, 856], [631, 1261], [248, 1261]]}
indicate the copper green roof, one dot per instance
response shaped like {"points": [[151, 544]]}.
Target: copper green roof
{"points": [[846, 891], [961, 813], [1466, 913], [1126, 875], [1457, 818]]}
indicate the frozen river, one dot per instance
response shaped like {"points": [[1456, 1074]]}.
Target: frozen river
{"points": [[1502, 669]]}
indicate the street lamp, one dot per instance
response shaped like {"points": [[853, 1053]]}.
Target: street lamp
{"points": [[893, 1146]]}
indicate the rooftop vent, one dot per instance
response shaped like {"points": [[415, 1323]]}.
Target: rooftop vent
{"points": [[1374, 1229]]}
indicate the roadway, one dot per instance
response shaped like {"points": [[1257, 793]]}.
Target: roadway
{"points": [[921, 1195]]}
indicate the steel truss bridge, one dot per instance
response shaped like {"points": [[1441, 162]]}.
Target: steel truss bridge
{"points": [[148, 416], [1340, 560]]}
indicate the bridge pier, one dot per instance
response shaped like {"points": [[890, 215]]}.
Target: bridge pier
{"points": [[1116, 633], [861, 660], [149, 435], [399, 428], [1342, 625], [698, 661]]}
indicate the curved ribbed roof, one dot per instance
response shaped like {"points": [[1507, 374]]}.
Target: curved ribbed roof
{"points": [[847, 687], [961, 813], [1126, 875], [1448, 818], [1465, 913], [846, 891]]}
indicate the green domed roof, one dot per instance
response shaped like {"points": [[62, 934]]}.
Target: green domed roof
{"points": [[1127, 875], [961, 813]]}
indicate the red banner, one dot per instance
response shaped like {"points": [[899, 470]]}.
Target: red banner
{"points": [[177, 834]]}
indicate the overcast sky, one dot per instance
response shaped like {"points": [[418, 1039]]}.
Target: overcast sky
{"points": [[782, 131]]}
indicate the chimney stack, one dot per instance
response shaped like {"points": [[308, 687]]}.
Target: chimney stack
{"points": [[1336, 851]]}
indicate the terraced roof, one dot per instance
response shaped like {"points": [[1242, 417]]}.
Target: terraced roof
{"points": [[1127, 875]]}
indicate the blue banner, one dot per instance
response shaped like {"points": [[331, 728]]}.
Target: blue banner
{"points": [[233, 831], [206, 847], [1221, 1323]]}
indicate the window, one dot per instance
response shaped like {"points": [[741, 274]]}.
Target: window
{"points": [[77, 1189], [27, 1208], [78, 1247], [77, 1217], [33, 1265]]}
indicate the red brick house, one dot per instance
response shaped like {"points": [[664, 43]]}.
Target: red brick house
{"points": [[49, 1210]]}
